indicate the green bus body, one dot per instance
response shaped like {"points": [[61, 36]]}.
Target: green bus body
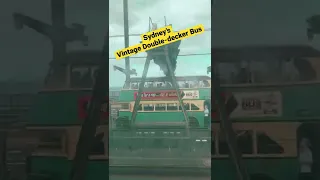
{"points": [[165, 117], [299, 103], [56, 108], [276, 168], [279, 169], [127, 96]]}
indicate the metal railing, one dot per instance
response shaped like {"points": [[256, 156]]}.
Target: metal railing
{"points": [[12, 106]]}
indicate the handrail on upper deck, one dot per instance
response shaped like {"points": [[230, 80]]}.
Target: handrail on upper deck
{"points": [[271, 84], [178, 78], [222, 85]]}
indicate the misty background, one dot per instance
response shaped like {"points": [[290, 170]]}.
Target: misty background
{"points": [[181, 14], [25, 54]]}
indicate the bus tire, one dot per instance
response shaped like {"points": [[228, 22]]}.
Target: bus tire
{"points": [[193, 122], [260, 177]]}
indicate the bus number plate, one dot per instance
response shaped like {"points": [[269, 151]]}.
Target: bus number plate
{"points": [[251, 104]]}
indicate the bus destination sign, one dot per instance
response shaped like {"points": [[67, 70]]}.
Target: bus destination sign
{"points": [[161, 95]]}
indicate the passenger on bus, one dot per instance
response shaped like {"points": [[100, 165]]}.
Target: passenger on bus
{"points": [[150, 85], [133, 85], [186, 84], [305, 160], [206, 116], [194, 84], [168, 85], [289, 71]]}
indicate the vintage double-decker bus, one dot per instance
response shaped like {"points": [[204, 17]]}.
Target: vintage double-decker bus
{"points": [[54, 121], [159, 103], [159, 137], [276, 88]]}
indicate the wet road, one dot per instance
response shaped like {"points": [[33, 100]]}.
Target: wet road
{"points": [[148, 177], [160, 174]]}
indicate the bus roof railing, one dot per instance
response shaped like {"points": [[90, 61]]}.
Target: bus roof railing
{"points": [[263, 52], [178, 78]]}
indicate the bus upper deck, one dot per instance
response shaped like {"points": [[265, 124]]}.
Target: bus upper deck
{"points": [[271, 83], [192, 87], [266, 65], [246, 65], [184, 82]]}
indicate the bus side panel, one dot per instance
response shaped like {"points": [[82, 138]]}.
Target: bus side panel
{"points": [[59, 168], [150, 117], [50, 107], [54, 167], [278, 169]]}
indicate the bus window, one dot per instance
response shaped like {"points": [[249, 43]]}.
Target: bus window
{"points": [[148, 107], [98, 147], [266, 145], [172, 107], [180, 84], [208, 104], [56, 78], [148, 85], [167, 85], [81, 77], [140, 107], [105, 107], [186, 84], [194, 107], [204, 83], [186, 106], [223, 148], [160, 107], [213, 145], [245, 141], [94, 72], [158, 84], [134, 85], [264, 71], [50, 142], [125, 106], [227, 72], [194, 84]]}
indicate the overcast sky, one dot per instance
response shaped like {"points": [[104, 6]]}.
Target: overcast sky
{"points": [[24, 55], [181, 14]]}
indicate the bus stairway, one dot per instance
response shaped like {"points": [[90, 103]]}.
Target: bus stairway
{"points": [[224, 111]]}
